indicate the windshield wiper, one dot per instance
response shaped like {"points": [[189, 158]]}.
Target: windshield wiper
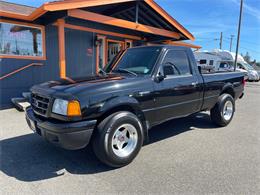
{"points": [[127, 71]]}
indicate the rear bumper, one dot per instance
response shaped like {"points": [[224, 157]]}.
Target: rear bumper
{"points": [[71, 136]]}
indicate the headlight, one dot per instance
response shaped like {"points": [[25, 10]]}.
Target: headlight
{"points": [[66, 108], [60, 107]]}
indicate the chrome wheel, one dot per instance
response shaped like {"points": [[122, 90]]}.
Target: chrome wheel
{"points": [[124, 140], [228, 110]]}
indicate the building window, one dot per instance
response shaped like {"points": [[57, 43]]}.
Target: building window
{"points": [[211, 62], [113, 48], [19, 40], [203, 61]]}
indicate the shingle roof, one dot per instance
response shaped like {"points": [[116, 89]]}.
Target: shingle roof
{"points": [[15, 8]]}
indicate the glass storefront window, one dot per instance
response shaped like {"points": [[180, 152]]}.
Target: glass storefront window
{"points": [[18, 40]]}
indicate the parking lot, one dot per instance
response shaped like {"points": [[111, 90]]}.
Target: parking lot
{"points": [[184, 156]]}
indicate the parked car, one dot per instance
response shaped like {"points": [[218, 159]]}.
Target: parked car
{"points": [[242, 65], [252, 73], [141, 88], [227, 66]]}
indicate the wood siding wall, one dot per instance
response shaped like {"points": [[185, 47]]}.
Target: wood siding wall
{"points": [[14, 85]]}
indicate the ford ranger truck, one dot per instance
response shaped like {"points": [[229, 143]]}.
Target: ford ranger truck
{"points": [[114, 110]]}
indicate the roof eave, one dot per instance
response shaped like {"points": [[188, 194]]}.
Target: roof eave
{"points": [[68, 5]]}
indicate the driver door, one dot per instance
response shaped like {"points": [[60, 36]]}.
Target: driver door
{"points": [[179, 94]]}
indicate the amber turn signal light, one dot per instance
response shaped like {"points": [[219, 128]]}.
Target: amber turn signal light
{"points": [[73, 108]]}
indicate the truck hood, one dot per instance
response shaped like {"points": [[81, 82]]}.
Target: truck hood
{"points": [[90, 84]]}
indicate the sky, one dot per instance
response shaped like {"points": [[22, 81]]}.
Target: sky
{"points": [[206, 19]]}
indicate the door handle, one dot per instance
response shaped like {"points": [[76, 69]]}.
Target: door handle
{"points": [[143, 93]]}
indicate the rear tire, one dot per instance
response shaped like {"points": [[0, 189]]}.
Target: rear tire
{"points": [[222, 113], [118, 139]]}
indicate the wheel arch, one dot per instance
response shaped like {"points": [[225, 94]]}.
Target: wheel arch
{"points": [[228, 89], [124, 104]]}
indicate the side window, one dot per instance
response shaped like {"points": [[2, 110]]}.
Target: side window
{"points": [[240, 66], [203, 61], [178, 62]]}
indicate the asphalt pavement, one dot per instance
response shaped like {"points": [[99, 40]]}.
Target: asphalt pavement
{"points": [[184, 156]]}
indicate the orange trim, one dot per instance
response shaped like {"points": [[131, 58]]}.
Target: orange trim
{"points": [[42, 28], [113, 41], [85, 15], [37, 13], [170, 19], [58, 6], [75, 27], [34, 15], [122, 43], [13, 15], [73, 4], [178, 43], [22, 57], [114, 65], [20, 69], [22, 23], [101, 80], [70, 80], [62, 57], [101, 36]]}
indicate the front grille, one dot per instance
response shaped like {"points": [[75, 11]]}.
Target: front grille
{"points": [[40, 104]]}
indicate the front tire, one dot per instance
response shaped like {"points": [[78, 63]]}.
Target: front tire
{"points": [[222, 113], [118, 139]]}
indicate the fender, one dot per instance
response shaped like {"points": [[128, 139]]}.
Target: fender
{"points": [[125, 103], [228, 88], [120, 101]]}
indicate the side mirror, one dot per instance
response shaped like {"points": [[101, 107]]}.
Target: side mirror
{"points": [[159, 78]]}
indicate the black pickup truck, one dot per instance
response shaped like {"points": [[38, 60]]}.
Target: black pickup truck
{"points": [[114, 110]]}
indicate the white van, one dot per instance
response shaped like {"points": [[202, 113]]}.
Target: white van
{"points": [[242, 65], [211, 61], [221, 60]]}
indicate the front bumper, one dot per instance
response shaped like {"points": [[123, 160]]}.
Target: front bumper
{"points": [[68, 135], [253, 77]]}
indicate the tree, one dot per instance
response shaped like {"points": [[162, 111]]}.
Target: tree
{"points": [[247, 58]]}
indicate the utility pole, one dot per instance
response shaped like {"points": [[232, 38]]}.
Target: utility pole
{"points": [[238, 32], [220, 40], [231, 42]]}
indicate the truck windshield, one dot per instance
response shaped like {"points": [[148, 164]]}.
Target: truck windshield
{"points": [[139, 61]]}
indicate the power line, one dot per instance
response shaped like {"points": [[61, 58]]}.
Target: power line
{"points": [[249, 49], [243, 41]]}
